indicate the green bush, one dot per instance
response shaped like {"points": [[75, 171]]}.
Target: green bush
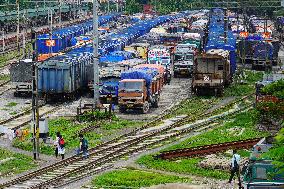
{"points": [[96, 115], [11, 104], [237, 89], [275, 88], [4, 77]]}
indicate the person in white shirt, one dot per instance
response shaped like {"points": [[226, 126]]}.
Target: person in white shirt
{"points": [[56, 144], [235, 167]]}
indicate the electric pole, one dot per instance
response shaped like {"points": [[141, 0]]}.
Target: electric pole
{"points": [[3, 37], [60, 4], [155, 7], [108, 6], [18, 26], [35, 111], [24, 34], [95, 51]]}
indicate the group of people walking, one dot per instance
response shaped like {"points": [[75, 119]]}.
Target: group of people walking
{"points": [[59, 145]]}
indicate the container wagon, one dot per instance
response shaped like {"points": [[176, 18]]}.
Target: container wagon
{"points": [[214, 68], [21, 76], [211, 72], [64, 38], [62, 77], [140, 87], [259, 52]]}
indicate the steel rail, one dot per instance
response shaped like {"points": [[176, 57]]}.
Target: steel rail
{"points": [[96, 150], [208, 149]]}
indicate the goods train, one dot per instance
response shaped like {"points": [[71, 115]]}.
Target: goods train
{"points": [[258, 47], [258, 51], [63, 38], [58, 79], [213, 68], [21, 71]]}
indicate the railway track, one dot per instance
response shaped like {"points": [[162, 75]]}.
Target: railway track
{"points": [[25, 117], [103, 156], [208, 149], [5, 86]]}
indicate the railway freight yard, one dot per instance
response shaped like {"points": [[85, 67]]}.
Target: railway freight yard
{"points": [[160, 94]]}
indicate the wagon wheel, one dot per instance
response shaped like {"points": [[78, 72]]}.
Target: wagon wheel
{"points": [[146, 107], [122, 109]]}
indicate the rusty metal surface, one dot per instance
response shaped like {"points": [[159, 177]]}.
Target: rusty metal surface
{"points": [[208, 149]]}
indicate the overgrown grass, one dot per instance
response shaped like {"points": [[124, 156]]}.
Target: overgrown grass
{"points": [[4, 58], [134, 178], [230, 131], [5, 77], [248, 87], [184, 166], [120, 123], [11, 104], [199, 104], [69, 130], [17, 164], [13, 113], [242, 127]]}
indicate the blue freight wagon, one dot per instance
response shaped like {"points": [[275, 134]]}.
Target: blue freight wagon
{"points": [[259, 52], [213, 69], [63, 37], [63, 76]]}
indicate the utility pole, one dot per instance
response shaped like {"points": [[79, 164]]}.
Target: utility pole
{"points": [[3, 37], [155, 7], [35, 111], [95, 51], [24, 34], [117, 6], [18, 26], [50, 30], [108, 6], [60, 4]]}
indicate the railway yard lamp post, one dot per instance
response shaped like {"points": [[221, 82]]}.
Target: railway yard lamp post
{"points": [[95, 52]]}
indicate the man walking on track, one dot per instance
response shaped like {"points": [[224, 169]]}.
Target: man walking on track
{"points": [[84, 146], [235, 167]]}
